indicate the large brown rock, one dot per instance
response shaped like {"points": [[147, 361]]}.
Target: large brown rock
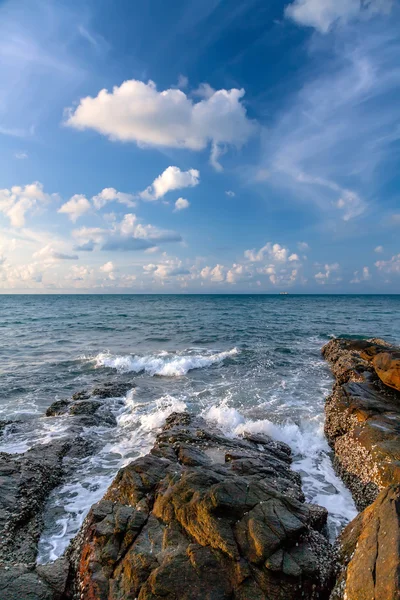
{"points": [[204, 517], [362, 419], [387, 367], [369, 552]]}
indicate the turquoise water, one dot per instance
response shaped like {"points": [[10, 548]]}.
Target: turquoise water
{"points": [[245, 362]]}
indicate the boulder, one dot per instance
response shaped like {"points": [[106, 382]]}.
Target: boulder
{"points": [[362, 419], [204, 517], [369, 552]]}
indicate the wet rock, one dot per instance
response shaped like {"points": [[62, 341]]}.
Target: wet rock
{"points": [[112, 390], [82, 395], [26, 481], [362, 419], [369, 552], [203, 517], [59, 407]]}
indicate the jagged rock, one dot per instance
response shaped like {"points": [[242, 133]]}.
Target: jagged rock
{"points": [[362, 419], [204, 517], [369, 552]]}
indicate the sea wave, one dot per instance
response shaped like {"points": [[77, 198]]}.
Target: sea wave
{"points": [[165, 364]]}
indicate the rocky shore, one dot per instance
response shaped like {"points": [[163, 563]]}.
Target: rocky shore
{"points": [[363, 427], [207, 517]]}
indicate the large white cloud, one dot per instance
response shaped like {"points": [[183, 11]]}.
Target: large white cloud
{"points": [[16, 202], [322, 14], [137, 112], [171, 179]]}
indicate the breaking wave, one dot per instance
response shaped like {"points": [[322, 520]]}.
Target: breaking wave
{"points": [[165, 364]]}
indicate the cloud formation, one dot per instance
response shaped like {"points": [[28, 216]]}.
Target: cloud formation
{"points": [[181, 204], [16, 202], [170, 179], [129, 234], [137, 112], [49, 253], [76, 206], [323, 14], [111, 195]]}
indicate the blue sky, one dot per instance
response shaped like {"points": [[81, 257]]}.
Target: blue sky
{"points": [[200, 146]]}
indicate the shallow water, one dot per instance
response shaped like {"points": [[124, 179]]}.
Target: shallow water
{"points": [[244, 362]]}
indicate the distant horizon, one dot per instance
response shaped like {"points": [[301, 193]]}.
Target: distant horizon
{"points": [[196, 294]]}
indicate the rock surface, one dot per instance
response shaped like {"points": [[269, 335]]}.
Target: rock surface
{"points": [[369, 552], [204, 517], [387, 367], [362, 419]]}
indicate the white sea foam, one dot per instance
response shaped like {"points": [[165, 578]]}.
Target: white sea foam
{"points": [[310, 458], [164, 363], [138, 423]]}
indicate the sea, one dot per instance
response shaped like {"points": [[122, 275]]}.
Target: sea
{"points": [[243, 362]]}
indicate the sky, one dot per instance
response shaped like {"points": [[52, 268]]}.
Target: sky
{"points": [[200, 146]]}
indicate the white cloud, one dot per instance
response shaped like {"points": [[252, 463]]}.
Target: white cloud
{"points": [[111, 195], [273, 252], [16, 202], [323, 14], [389, 266], [181, 204], [379, 249], [360, 277], [49, 253], [21, 155], [230, 193], [138, 112], [329, 275], [76, 206], [125, 235], [108, 269], [171, 179], [216, 273], [171, 267]]}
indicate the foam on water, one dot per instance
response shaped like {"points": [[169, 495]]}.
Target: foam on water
{"points": [[165, 364], [311, 458], [138, 424]]}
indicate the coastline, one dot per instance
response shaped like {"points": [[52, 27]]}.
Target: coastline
{"points": [[198, 499]]}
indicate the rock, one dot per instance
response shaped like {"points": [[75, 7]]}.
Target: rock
{"points": [[203, 517], [23, 583], [387, 367], [369, 552], [362, 419], [55, 575], [59, 407], [26, 481], [112, 390]]}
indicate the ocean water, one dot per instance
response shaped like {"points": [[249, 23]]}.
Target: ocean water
{"points": [[246, 363]]}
